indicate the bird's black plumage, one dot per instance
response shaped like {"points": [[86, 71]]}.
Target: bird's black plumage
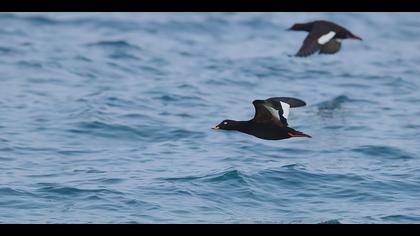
{"points": [[322, 36], [270, 119]]}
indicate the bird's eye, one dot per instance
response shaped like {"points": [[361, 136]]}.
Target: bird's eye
{"points": [[225, 123]]}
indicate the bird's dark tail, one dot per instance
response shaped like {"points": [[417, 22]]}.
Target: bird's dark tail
{"points": [[298, 134]]}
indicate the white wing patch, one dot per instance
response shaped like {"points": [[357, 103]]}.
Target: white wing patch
{"points": [[326, 37], [275, 113], [286, 108]]}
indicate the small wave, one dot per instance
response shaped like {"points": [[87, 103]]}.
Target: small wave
{"points": [[76, 152], [259, 22], [383, 152], [6, 149], [330, 222], [182, 133], [228, 175], [176, 26], [55, 189], [8, 51], [30, 64], [6, 191], [124, 56], [31, 19], [181, 99], [37, 80], [136, 132], [89, 171], [335, 103], [107, 130], [7, 158], [117, 44], [401, 218], [83, 58], [113, 101], [296, 175]]}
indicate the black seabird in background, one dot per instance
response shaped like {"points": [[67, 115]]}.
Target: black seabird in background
{"points": [[323, 37]]}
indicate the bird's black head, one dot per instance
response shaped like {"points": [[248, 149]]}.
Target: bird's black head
{"points": [[302, 27], [227, 125]]}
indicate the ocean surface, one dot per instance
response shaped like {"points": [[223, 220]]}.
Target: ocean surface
{"points": [[106, 118]]}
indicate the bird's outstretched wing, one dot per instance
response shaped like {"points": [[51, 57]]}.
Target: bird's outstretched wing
{"points": [[315, 40], [275, 109]]}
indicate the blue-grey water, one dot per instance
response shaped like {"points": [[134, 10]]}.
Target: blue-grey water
{"points": [[106, 117]]}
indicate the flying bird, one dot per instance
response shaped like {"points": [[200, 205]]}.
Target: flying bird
{"points": [[270, 120], [323, 36]]}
